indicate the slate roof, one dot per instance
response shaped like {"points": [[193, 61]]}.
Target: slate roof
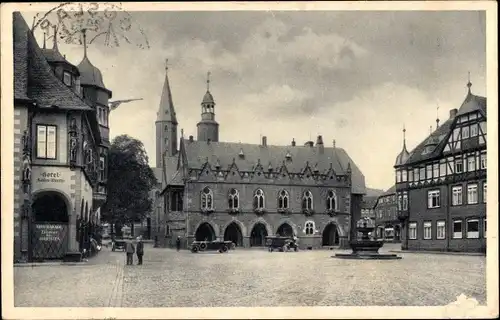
{"points": [[208, 98], [472, 103], [20, 53], [369, 202], [90, 74], [197, 153], [437, 138], [166, 111], [33, 76]]}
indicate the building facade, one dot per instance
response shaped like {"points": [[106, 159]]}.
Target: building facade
{"points": [[441, 184], [60, 148], [245, 192], [388, 226]]}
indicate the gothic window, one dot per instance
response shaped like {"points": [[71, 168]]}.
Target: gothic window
{"points": [[307, 200], [331, 201], [283, 199], [207, 199], [258, 199], [309, 227], [234, 199]]}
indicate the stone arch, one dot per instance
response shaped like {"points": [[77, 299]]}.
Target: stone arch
{"points": [[290, 223], [215, 228], [63, 194], [240, 224], [332, 232], [264, 222], [234, 233], [51, 206]]}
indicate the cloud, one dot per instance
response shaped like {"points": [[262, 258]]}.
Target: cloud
{"points": [[355, 77]]}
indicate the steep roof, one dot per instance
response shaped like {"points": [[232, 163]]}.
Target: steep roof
{"points": [[208, 98], [437, 139], [20, 53], [472, 103], [33, 76], [90, 74], [166, 110], [198, 152], [369, 202]]}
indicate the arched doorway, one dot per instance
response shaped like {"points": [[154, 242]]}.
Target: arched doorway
{"points": [[258, 235], [285, 230], [331, 235], [233, 233], [205, 232], [49, 237]]}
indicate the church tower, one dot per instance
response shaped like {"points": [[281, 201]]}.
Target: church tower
{"points": [[166, 125], [208, 128]]}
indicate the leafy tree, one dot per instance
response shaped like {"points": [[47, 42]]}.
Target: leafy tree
{"points": [[130, 180]]}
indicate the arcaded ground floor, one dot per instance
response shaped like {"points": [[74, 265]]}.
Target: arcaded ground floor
{"points": [[251, 277]]}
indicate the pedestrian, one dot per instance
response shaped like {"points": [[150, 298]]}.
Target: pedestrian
{"points": [[130, 249], [178, 243], [139, 250]]}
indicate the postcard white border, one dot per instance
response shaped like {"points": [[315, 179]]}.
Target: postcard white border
{"points": [[489, 311]]}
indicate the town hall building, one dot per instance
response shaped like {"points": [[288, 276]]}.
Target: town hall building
{"points": [[243, 192]]}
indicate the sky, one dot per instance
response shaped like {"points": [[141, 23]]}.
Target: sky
{"points": [[356, 77]]}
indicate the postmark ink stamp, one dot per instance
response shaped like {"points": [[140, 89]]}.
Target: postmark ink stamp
{"points": [[105, 23]]}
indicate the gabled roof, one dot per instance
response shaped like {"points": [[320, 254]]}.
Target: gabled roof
{"points": [[369, 202], [166, 110], [198, 152], [33, 76], [437, 139]]}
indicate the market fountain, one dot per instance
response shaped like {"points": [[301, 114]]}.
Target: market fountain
{"points": [[366, 248]]}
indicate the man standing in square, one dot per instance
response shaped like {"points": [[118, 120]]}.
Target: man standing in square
{"points": [[140, 249]]}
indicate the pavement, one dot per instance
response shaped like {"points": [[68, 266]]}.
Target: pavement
{"points": [[250, 278]]}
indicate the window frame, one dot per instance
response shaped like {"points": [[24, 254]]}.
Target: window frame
{"points": [[454, 234], [205, 204], [67, 73], [46, 141], [471, 162], [331, 196], [282, 198], [308, 200], [427, 226], [259, 200], [309, 227], [461, 197], [441, 229], [485, 196], [438, 197], [482, 160], [231, 199], [476, 233], [459, 163], [471, 187], [412, 226]]}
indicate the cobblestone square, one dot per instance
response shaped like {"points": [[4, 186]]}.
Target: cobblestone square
{"points": [[252, 277]]}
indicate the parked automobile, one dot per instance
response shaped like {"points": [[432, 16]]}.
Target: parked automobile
{"points": [[282, 244], [221, 246], [118, 244]]}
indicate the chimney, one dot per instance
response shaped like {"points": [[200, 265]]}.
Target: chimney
{"points": [[319, 144], [191, 139], [319, 140], [264, 141], [293, 142], [309, 144], [453, 113]]}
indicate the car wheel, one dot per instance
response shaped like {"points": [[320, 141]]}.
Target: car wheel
{"points": [[224, 249], [203, 246], [194, 249]]}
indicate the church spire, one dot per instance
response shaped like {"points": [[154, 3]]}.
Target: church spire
{"points": [[166, 111]]}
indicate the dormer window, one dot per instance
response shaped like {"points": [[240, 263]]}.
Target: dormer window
{"points": [[241, 154], [67, 79], [288, 156]]}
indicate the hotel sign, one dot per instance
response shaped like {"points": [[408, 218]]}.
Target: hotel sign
{"points": [[54, 177]]}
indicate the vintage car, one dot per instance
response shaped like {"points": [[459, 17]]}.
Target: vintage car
{"points": [[282, 244], [221, 246], [118, 244]]}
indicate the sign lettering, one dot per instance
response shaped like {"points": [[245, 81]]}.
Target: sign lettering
{"points": [[51, 177]]}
